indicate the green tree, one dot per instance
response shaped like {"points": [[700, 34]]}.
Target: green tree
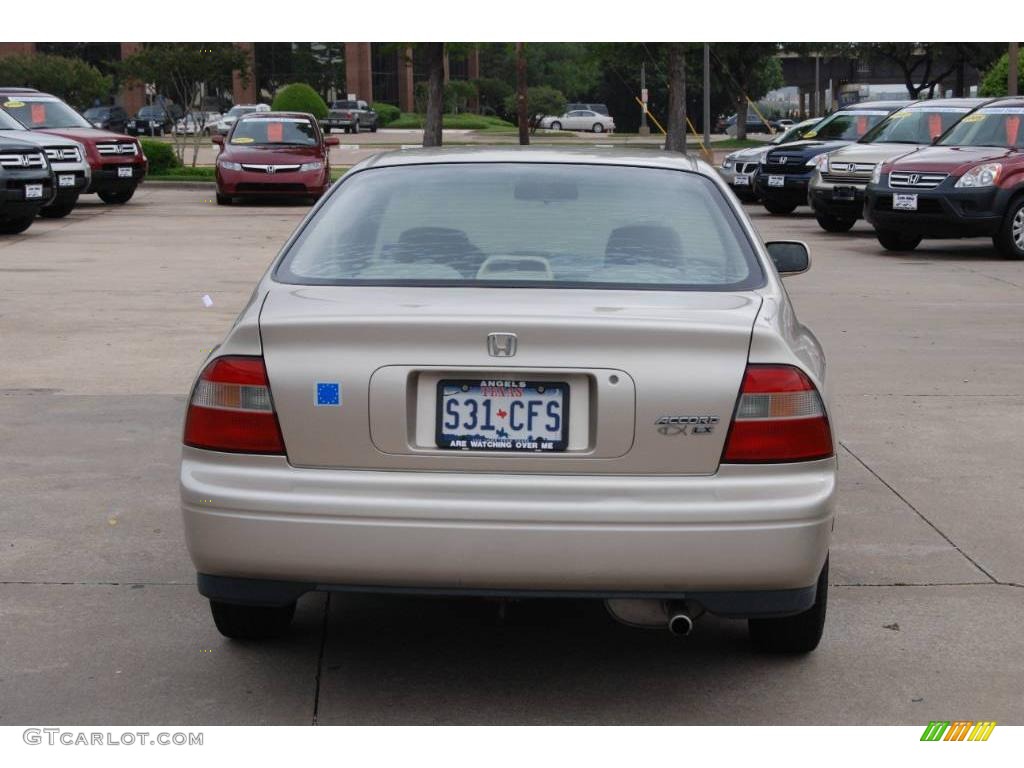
{"points": [[182, 70], [747, 71], [73, 80], [994, 82], [925, 65], [541, 101]]}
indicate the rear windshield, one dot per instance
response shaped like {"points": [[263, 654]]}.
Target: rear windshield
{"points": [[919, 125], [846, 126], [532, 225], [345, 105], [279, 130], [989, 127], [43, 113], [239, 111], [95, 113]]}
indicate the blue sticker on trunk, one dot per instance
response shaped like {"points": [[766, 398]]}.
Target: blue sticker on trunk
{"points": [[328, 393]]}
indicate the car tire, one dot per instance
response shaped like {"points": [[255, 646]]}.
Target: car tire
{"points": [[598, 128], [374, 128], [897, 241], [15, 226], [834, 223], [779, 209], [224, 199], [793, 634], [1009, 240], [355, 128], [556, 126], [747, 197], [116, 198], [58, 209], [251, 622]]}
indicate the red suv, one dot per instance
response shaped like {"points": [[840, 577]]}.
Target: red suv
{"points": [[116, 161], [969, 184], [280, 154]]}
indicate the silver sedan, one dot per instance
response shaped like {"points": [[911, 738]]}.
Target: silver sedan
{"points": [[519, 373], [579, 120]]}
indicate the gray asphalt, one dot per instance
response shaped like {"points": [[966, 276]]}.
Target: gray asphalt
{"points": [[103, 326]]}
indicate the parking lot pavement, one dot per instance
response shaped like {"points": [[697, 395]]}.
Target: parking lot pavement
{"points": [[103, 326]]}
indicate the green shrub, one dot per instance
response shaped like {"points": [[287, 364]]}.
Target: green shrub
{"points": [[386, 113], [299, 97], [458, 94], [160, 155]]}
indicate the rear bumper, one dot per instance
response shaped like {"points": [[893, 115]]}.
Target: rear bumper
{"points": [[746, 529]]}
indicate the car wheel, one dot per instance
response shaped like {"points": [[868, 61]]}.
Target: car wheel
{"points": [[116, 198], [224, 199], [897, 241], [1009, 240], [59, 208], [793, 634], [835, 224], [15, 226], [779, 209], [374, 128], [355, 128], [251, 622], [598, 128], [556, 126]]}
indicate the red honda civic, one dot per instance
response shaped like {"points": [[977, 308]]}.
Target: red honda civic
{"points": [[274, 154]]}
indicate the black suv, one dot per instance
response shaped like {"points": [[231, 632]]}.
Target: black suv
{"points": [[26, 184], [108, 118], [785, 173], [154, 120]]}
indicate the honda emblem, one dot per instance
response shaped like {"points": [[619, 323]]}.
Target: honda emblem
{"points": [[502, 344]]}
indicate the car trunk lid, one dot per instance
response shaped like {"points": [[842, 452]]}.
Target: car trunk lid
{"points": [[653, 375]]}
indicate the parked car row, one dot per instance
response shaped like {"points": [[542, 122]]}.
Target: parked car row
{"points": [[50, 154], [940, 168]]}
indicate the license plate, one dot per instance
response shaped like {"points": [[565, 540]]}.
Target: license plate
{"points": [[33, 191], [502, 415], [124, 172], [902, 202], [66, 180], [844, 193], [741, 180], [776, 181]]}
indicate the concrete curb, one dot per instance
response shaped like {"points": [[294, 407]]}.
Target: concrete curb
{"points": [[181, 184]]}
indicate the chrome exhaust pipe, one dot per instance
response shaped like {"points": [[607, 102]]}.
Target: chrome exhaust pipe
{"points": [[680, 623]]}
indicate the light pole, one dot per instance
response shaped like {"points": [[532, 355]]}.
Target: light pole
{"points": [[707, 99], [645, 129]]}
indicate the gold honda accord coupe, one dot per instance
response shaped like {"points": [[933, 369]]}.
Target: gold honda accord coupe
{"points": [[519, 373]]}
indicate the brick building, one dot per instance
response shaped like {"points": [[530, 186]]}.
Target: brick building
{"points": [[374, 71]]}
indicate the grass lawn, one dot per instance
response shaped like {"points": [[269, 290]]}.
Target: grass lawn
{"points": [[463, 121], [206, 173]]}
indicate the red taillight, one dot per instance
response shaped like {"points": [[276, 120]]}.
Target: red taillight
{"points": [[779, 417], [231, 409]]}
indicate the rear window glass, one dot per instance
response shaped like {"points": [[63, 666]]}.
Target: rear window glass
{"points": [[535, 225], [282, 130]]}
